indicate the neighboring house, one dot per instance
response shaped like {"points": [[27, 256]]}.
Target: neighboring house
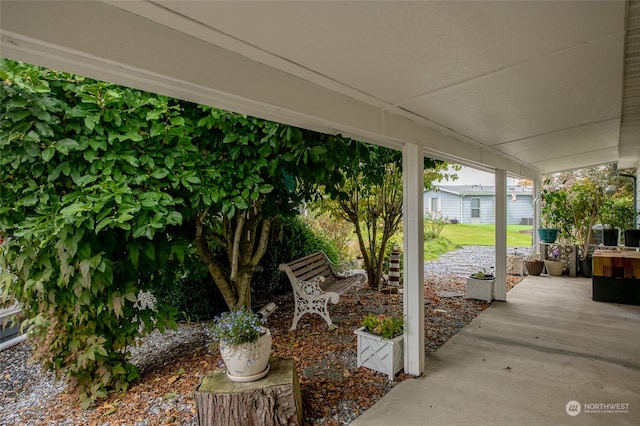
{"points": [[475, 204]]}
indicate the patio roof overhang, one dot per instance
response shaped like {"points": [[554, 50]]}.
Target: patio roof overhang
{"points": [[527, 87]]}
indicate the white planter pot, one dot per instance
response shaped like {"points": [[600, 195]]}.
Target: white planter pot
{"points": [[247, 362], [554, 267], [480, 288], [380, 354]]}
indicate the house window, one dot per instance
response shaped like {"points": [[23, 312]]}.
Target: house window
{"points": [[434, 205], [475, 208]]}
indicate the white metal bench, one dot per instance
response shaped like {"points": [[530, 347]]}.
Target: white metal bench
{"points": [[315, 281]]}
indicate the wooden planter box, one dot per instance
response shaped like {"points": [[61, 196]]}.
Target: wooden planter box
{"points": [[616, 277], [480, 288], [380, 354], [616, 290]]}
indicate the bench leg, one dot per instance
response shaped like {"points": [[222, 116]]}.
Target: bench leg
{"points": [[357, 294], [316, 306]]}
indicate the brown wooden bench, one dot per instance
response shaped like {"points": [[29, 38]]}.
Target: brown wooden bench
{"points": [[315, 281]]}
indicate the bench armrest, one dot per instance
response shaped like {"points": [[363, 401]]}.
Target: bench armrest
{"points": [[311, 290]]}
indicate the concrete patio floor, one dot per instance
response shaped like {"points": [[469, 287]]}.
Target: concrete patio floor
{"points": [[523, 362]]}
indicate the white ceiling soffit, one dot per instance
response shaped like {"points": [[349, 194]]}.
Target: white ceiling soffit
{"points": [[629, 145], [529, 87]]}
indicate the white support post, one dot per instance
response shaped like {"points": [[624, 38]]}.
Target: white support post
{"points": [[500, 286], [413, 296], [537, 190]]}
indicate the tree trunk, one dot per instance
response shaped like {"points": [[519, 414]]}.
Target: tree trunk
{"points": [[244, 239]]}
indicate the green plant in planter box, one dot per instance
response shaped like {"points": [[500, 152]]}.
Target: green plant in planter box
{"points": [[382, 325], [482, 274]]}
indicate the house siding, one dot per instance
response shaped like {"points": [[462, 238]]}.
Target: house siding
{"points": [[449, 204], [457, 205], [521, 208]]}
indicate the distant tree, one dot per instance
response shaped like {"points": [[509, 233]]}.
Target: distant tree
{"points": [[374, 202], [581, 198]]}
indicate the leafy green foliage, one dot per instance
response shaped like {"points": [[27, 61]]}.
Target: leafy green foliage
{"points": [[556, 211], [106, 189], [574, 200], [433, 225], [371, 199], [188, 288], [383, 325], [293, 239], [585, 199], [619, 213], [85, 201]]}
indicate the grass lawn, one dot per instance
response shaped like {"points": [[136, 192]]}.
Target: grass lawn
{"points": [[455, 236], [484, 235]]}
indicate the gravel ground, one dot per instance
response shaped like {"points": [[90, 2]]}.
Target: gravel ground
{"points": [[26, 391], [467, 260]]}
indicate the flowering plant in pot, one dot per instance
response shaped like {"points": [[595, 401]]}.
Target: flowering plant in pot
{"points": [[554, 265], [245, 344], [380, 344], [382, 325]]}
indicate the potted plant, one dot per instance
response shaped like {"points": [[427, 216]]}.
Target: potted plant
{"points": [[380, 343], [480, 286], [554, 265], [556, 216], [245, 344], [620, 214], [585, 198], [533, 264]]}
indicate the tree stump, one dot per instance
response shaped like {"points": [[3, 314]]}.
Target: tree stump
{"points": [[273, 400]]}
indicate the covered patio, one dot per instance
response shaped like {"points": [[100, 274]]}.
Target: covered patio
{"points": [[525, 361], [521, 89]]}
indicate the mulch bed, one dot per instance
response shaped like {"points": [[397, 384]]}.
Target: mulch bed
{"points": [[334, 390]]}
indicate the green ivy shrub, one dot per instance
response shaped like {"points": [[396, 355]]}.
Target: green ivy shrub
{"points": [[292, 240], [190, 290]]}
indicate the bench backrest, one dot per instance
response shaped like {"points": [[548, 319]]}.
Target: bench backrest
{"points": [[309, 267]]}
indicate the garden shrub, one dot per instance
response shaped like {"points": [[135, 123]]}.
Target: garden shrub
{"points": [[189, 289], [295, 240], [433, 225]]}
